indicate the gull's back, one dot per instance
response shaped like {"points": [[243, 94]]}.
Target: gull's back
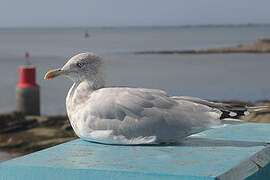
{"points": [[137, 116]]}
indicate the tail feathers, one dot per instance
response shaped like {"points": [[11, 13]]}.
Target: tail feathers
{"points": [[228, 110]]}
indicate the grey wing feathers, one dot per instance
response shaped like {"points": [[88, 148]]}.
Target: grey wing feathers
{"points": [[128, 101]]}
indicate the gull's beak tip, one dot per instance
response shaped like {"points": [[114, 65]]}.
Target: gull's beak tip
{"points": [[52, 73]]}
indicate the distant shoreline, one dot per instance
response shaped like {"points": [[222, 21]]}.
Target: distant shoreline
{"points": [[260, 46], [141, 26]]}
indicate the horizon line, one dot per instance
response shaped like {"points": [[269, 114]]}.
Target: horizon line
{"points": [[144, 26]]}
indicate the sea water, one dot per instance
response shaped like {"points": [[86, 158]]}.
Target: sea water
{"points": [[212, 76]]}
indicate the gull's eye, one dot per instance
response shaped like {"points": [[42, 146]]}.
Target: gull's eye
{"points": [[80, 64]]}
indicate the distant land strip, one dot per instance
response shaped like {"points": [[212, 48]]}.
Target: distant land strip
{"points": [[260, 46]]}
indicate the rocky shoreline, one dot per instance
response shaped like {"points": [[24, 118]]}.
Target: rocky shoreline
{"points": [[260, 46], [25, 134], [21, 134]]}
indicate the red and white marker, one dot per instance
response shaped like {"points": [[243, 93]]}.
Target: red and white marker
{"points": [[27, 91]]}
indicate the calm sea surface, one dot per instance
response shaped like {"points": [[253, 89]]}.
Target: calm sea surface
{"points": [[216, 76]]}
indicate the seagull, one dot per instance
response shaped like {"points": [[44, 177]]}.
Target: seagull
{"points": [[124, 115]]}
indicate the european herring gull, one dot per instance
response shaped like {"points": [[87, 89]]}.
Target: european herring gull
{"points": [[123, 115]]}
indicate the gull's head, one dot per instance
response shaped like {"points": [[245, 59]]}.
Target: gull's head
{"points": [[83, 66]]}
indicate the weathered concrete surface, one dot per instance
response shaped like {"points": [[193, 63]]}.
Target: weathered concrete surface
{"points": [[231, 152], [28, 100]]}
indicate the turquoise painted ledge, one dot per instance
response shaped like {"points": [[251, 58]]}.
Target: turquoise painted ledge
{"points": [[231, 152]]}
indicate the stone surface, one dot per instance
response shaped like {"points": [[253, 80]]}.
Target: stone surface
{"points": [[230, 152]]}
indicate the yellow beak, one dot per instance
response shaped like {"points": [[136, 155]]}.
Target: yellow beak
{"points": [[53, 73]]}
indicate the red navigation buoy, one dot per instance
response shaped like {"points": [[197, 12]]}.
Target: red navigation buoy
{"points": [[27, 77], [27, 91]]}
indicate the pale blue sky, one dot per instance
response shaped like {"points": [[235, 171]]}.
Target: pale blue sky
{"points": [[46, 13]]}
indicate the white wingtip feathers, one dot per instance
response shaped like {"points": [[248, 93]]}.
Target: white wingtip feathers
{"points": [[232, 114], [246, 113]]}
